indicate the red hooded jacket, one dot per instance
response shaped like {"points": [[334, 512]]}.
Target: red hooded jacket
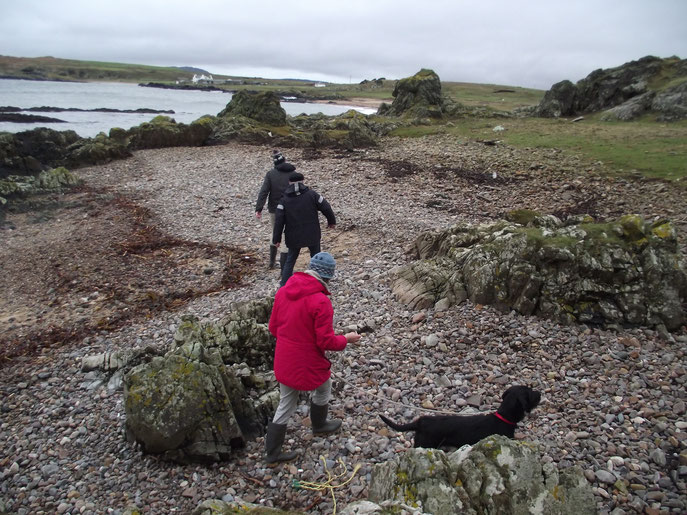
{"points": [[302, 321]]}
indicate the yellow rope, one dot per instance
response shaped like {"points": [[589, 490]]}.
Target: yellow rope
{"points": [[328, 484]]}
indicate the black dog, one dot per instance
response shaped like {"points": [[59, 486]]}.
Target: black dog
{"points": [[459, 430]]}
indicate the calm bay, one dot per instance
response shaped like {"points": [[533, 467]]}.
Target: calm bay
{"points": [[188, 105]]}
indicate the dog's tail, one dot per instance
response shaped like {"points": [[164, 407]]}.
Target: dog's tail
{"points": [[399, 427]]}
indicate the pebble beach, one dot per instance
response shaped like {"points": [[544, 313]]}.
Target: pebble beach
{"points": [[613, 402]]}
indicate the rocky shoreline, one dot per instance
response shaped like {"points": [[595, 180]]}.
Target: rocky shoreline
{"points": [[613, 403]]}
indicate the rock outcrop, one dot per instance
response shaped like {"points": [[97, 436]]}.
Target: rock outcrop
{"points": [[418, 96], [496, 475], [263, 107], [29, 152], [201, 400], [163, 131], [627, 272], [650, 84]]}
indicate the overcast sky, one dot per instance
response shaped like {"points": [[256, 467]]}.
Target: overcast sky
{"points": [[531, 43]]}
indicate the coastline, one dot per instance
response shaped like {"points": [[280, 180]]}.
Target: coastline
{"points": [[367, 103]]}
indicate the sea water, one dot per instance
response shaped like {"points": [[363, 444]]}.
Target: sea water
{"points": [[188, 105]]}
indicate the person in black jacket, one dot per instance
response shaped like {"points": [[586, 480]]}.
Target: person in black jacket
{"points": [[273, 186], [297, 216]]}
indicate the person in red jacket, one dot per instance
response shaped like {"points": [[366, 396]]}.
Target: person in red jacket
{"points": [[302, 321]]}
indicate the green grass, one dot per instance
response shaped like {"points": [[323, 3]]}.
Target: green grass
{"points": [[652, 149], [502, 98]]}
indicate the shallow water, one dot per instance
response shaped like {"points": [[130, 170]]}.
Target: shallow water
{"points": [[188, 105]]}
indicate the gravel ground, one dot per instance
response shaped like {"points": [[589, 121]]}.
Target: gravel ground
{"points": [[613, 403]]}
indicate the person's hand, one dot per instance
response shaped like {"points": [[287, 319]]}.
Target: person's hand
{"points": [[258, 215], [352, 337], [276, 244], [331, 226]]}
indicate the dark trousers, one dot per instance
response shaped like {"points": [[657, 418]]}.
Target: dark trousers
{"points": [[291, 258]]}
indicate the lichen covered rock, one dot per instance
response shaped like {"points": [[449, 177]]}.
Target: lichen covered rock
{"points": [[179, 406], [242, 336], [201, 400], [626, 272], [496, 475]]}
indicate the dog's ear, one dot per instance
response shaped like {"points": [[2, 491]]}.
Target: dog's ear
{"points": [[507, 392], [529, 399]]}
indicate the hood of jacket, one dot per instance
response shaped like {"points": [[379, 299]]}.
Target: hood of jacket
{"points": [[301, 285], [285, 168], [296, 188]]}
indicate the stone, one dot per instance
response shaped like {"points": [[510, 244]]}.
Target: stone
{"points": [[605, 476], [497, 475]]}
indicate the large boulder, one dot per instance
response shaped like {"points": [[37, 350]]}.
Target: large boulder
{"points": [[418, 96], [496, 475], [602, 90], [180, 406], [264, 107], [201, 400], [625, 272], [560, 100]]}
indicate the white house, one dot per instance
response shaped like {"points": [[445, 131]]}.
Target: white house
{"points": [[202, 79]]}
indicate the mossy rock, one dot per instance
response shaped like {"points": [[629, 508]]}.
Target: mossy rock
{"points": [[98, 150], [163, 131], [418, 96], [263, 107]]}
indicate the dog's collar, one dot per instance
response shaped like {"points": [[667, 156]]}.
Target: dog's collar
{"points": [[500, 417]]}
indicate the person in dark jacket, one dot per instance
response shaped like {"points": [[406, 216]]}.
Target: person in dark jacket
{"points": [[273, 186], [302, 321], [297, 216]]}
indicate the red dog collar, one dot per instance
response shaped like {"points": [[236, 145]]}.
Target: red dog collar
{"points": [[500, 417]]}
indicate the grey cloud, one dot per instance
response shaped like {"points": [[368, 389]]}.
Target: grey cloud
{"points": [[533, 43]]}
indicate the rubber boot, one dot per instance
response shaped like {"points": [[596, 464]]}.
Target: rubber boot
{"points": [[273, 256], [282, 260], [273, 442], [320, 424]]}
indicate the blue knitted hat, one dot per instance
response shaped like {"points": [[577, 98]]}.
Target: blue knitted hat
{"points": [[324, 264]]}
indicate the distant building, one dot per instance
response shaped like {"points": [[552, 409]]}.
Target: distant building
{"points": [[202, 79], [320, 85]]}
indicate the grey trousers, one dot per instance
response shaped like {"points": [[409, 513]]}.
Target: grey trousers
{"points": [[288, 400]]}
